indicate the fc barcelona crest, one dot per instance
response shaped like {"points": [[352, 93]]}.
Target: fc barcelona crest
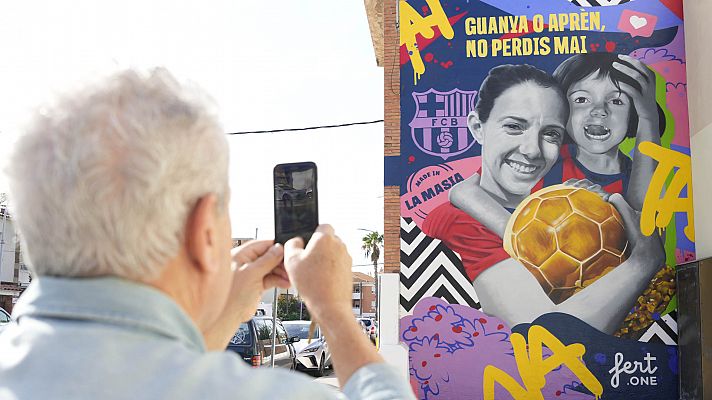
{"points": [[439, 127]]}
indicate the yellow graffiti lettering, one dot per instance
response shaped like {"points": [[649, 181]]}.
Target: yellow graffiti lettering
{"points": [[658, 211], [533, 367], [412, 24]]}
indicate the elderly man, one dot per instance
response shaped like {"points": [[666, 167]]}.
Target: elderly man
{"points": [[120, 192]]}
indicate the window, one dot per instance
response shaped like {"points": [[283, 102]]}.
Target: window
{"points": [[264, 330], [297, 330], [242, 336], [281, 335], [356, 303], [4, 318]]}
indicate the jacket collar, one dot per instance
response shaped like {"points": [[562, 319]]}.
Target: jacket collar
{"points": [[109, 300]]}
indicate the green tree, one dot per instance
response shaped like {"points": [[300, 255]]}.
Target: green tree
{"points": [[289, 308], [372, 244]]}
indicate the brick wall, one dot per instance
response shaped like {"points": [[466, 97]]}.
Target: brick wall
{"points": [[391, 90]]}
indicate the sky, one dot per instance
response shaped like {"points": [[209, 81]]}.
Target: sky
{"points": [[268, 65]]}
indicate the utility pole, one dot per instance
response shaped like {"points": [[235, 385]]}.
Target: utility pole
{"points": [[360, 294], [274, 327], [3, 210]]}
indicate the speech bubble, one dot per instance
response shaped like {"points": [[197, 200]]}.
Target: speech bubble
{"points": [[637, 23]]}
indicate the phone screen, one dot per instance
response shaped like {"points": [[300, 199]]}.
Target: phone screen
{"points": [[296, 211]]}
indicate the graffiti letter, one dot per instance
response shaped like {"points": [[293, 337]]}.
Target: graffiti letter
{"points": [[658, 211], [411, 24], [533, 368]]}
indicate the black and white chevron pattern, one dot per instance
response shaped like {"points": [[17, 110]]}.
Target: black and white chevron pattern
{"points": [[597, 3], [663, 330], [430, 269]]}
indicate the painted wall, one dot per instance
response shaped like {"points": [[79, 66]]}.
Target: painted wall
{"points": [[512, 289]]}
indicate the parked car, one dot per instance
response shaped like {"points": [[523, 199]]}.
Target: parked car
{"points": [[371, 327], [363, 326], [290, 195], [253, 342], [313, 353], [4, 319]]}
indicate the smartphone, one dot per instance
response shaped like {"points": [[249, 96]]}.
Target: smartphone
{"points": [[296, 206]]}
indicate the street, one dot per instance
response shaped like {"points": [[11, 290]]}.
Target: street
{"points": [[329, 379]]}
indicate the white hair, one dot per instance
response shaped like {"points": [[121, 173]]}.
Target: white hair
{"points": [[103, 181]]}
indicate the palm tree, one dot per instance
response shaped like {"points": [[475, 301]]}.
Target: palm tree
{"points": [[371, 244]]}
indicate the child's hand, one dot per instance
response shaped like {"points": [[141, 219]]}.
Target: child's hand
{"points": [[643, 100], [586, 184]]}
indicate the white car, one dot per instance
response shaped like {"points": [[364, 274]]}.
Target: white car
{"points": [[371, 327], [312, 355], [4, 319]]}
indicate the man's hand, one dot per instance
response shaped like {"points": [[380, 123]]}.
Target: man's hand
{"points": [[256, 267], [321, 272], [322, 275]]}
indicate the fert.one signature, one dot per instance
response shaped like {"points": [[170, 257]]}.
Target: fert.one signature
{"points": [[630, 368]]}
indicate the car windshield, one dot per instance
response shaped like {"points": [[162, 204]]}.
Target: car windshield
{"points": [[242, 336], [366, 322], [300, 330]]}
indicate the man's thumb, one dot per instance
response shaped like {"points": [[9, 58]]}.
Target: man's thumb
{"points": [[269, 260], [293, 247]]}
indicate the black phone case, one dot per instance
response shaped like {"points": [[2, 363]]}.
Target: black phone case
{"points": [[305, 232]]}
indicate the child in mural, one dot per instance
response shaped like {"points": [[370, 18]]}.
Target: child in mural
{"points": [[520, 119], [611, 97]]}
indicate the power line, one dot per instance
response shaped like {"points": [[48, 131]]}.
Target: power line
{"points": [[309, 128], [366, 265]]}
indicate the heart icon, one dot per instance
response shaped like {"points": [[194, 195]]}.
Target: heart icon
{"points": [[638, 22]]}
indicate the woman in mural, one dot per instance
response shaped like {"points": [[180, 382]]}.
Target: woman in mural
{"points": [[611, 97], [520, 119]]}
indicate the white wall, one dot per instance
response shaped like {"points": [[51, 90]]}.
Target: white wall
{"points": [[701, 147], [698, 31], [7, 260]]}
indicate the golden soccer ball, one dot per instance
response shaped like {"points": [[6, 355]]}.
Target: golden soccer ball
{"points": [[567, 237]]}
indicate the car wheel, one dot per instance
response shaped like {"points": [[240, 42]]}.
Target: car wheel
{"points": [[322, 366]]}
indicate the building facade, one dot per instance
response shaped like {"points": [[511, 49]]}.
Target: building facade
{"points": [[14, 274], [363, 295]]}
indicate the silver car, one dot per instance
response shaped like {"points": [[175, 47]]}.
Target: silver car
{"points": [[312, 355], [4, 319]]}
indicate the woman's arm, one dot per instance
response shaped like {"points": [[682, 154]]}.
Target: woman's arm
{"points": [[510, 292], [469, 197]]}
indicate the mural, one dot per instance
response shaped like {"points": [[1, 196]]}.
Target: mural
{"points": [[545, 197]]}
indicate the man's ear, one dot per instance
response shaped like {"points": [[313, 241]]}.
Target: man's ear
{"points": [[475, 126], [201, 233]]}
